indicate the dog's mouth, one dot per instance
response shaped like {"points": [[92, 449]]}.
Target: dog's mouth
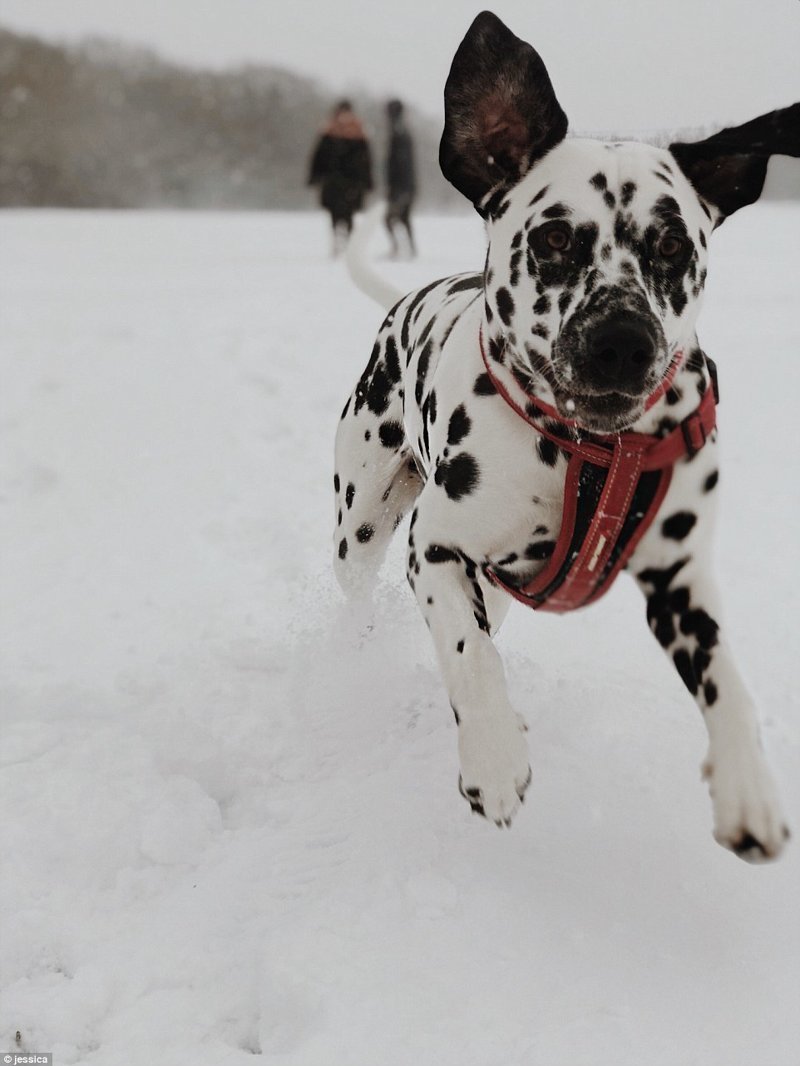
{"points": [[607, 412]]}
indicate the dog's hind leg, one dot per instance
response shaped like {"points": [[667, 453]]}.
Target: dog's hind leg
{"points": [[376, 481]]}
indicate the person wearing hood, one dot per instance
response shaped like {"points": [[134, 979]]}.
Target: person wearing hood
{"points": [[341, 166]]}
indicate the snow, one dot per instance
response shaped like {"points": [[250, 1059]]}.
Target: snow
{"points": [[232, 828]]}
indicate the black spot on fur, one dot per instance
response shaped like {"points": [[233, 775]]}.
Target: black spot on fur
{"points": [[437, 553], [508, 577], [349, 495], [412, 307], [460, 647], [710, 693], [392, 360], [472, 281], [683, 664], [542, 305], [378, 391], [343, 548], [459, 425], [678, 299], [699, 624], [662, 607], [336, 482], [663, 626], [459, 476], [665, 426], [662, 579], [422, 370], [539, 195], [557, 210], [628, 192], [701, 661], [599, 181], [541, 549], [711, 481], [496, 349], [678, 526], [391, 434], [484, 386], [548, 451], [364, 533], [505, 305]]}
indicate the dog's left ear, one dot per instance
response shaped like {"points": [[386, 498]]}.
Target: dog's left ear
{"points": [[500, 111], [729, 168]]}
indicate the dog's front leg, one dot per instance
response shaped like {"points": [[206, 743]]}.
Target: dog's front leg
{"points": [[683, 614], [493, 750]]}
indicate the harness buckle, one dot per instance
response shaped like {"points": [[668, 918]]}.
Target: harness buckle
{"points": [[694, 434]]}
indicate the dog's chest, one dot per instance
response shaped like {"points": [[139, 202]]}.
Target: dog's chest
{"points": [[498, 484], [495, 480]]}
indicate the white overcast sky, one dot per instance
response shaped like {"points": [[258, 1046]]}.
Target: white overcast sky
{"points": [[626, 64]]}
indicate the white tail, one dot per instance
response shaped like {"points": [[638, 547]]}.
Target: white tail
{"points": [[358, 263]]}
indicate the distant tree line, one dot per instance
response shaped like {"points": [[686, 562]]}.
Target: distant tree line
{"points": [[106, 125]]}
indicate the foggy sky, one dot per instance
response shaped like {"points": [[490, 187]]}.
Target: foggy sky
{"points": [[625, 64]]}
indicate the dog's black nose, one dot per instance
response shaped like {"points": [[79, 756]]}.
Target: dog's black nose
{"points": [[621, 353]]}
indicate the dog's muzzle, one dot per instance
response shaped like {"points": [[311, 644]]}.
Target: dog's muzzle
{"points": [[608, 366]]}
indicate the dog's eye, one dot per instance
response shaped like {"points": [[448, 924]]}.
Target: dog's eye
{"points": [[559, 238], [552, 237], [670, 246]]}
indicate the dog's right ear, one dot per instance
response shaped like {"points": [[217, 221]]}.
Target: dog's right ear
{"points": [[500, 111], [729, 168]]}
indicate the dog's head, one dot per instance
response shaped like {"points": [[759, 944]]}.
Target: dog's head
{"points": [[597, 251]]}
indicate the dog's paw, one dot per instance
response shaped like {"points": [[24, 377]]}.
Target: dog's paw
{"points": [[494, 767], [747, 813]]}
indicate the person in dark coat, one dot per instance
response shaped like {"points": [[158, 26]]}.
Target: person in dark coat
{"points": [[342, 168], [400, 178]]}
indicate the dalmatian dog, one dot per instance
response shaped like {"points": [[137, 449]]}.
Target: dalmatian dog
{"points": [[579, 332]]}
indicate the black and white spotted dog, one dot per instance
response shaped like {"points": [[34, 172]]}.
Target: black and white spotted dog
{"points": [[584, 318]]}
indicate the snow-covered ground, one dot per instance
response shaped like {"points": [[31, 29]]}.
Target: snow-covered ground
{"points": [[231, 824]]}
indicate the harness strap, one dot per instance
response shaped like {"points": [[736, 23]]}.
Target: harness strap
{"points": [[613, 490]]}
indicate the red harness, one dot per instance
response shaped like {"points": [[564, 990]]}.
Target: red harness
{"points": [[614, 488]]}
